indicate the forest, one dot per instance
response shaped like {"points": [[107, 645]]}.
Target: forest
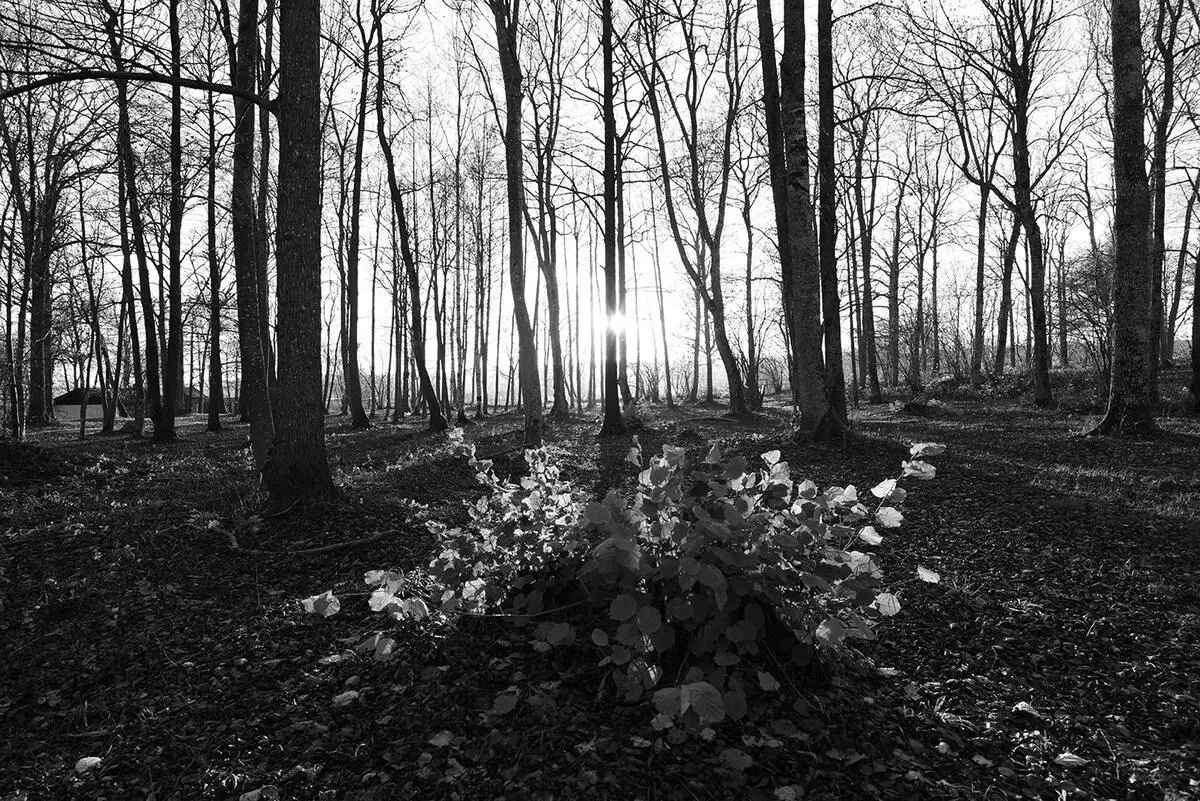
{"points": [[625, 399]]}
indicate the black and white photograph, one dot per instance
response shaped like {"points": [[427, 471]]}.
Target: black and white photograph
{"points": [[614, 400]]}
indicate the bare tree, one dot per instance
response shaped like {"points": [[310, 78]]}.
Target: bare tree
{"points": [[507, 14], [707, 152]]}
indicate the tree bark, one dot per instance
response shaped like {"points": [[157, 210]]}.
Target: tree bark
{"points": [[1130, 409], [164, 427], [507, 31], [298, 469], [831, 307], [254, 395], [613, 424]]}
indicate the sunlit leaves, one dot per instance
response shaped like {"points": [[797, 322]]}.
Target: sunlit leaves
{"points": [[922, 471], [87, 764], [696, 568], [884, 488], [1069, 760], [831, 631], [887, 604], [927, 575], [870, 536], [326, 604], [889, 517]]}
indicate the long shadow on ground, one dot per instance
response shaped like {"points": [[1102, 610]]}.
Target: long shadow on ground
{"points": [[1057, 657]]}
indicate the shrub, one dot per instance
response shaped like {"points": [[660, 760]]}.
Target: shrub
{"points": [[714, 572]]}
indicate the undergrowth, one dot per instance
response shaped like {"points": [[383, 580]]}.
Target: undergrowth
{"points": [[702, 589]]}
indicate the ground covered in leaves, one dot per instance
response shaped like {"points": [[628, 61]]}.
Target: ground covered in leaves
{"points": [[1058, 657]]}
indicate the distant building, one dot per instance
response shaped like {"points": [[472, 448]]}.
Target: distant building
{"points": [[69, 405], [195, 401]]}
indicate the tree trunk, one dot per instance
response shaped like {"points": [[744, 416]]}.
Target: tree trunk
{"points": [[216, 395], [1004, 313], [613, 423], [354, 393], [298, 469], [980, 276], [831, 307], [164, 426], [254, 395], [1168, 349], [1022, 190], [868, 349], [437, 420], [1130, 409]]}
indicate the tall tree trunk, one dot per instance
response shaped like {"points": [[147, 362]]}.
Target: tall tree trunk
{"points": [[894, 286], [662, 313], [298, 468], [152, 385], [507, 31], [1172, 323], [1130, 409], [835, 381], [1166, 31], [354, 394], [254, 395], [753, 394], [868, 349], [130, 304], [1195, 382], [980, 276], [1004, 313], [262, 227], [216, 396], [164, 427], [1027, 214], [437, 420], [613, 423], [622, 292]]}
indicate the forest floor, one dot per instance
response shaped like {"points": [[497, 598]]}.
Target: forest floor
{"points": [[1058, 658]]}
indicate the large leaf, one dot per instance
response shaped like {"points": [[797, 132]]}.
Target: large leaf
{"points": [[667, 701], [705, 699], [326, 604], [649, 620], [381, 599], [884, 488], [887, 604], [889, 517], [623, 607], [560, 633], [922, 471], [831, 631]]}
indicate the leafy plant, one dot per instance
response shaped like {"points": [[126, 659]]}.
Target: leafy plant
{"points": [[715, 573]]}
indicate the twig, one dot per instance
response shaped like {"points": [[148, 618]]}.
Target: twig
{"points": [[236, 548]]}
